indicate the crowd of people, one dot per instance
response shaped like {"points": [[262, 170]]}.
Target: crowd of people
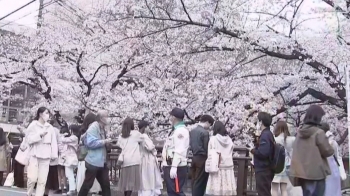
{"points": [[78, 154], [312, 158]]}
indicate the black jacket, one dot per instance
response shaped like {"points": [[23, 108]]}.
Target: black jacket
{"points": [[263, 152], [199, 139]]}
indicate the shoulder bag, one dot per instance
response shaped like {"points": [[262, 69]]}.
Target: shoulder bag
{"points": [[82, 150], [23, 153], [121, 155], [213, 161]]}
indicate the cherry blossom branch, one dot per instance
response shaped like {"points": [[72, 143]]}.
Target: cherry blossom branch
{"points": [[291, 28], [314, 93], [87, 84], [274, 73], [297, 53], [124, 71], [339, 9], [46, 93], [185, 10]]}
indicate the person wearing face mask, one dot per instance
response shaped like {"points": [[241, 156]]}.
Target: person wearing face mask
{"points": [[199, 139], [263, 152], [151, 179], [174, 154], [43, 148], [96, 159]]}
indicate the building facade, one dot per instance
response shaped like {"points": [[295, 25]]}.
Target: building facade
{"points": [[16, 101]]}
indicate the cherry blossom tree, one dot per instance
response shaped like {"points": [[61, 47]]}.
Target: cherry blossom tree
{"points": [[278, 31], [228, 59]]}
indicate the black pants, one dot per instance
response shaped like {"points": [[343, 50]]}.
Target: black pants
{"points": [[170, 183], [98, 173], [18, 174], [2, 178], [198, 175], [263, 182]]}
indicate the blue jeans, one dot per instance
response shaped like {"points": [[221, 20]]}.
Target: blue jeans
{"points": [[313, 187]]}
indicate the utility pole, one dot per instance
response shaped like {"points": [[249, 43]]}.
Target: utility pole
{"points": [[347, 87], [40, 14]]}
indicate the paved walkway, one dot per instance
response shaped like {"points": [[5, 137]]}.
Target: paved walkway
{"points": [[11, 192], [4, 191]]}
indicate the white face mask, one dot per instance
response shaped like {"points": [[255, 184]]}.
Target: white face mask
{"points": [[147, 130], [258, 126], [45, 117], [104, 120]]}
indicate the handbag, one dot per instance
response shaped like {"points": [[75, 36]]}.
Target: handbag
{"points": [[213, 161], [23, 153], [340, 164], [82, 151], [121, 155], [10, 180]]}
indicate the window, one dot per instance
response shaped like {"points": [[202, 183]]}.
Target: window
{"points": [[11, 110]]}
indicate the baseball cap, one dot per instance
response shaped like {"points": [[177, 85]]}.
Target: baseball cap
{"points": [[177, 113]]}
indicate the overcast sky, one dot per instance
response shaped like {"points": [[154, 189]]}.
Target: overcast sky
{"points": [[26, 16]]}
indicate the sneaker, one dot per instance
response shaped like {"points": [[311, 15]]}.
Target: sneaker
{"points": [[71, 193], [57, 192]]}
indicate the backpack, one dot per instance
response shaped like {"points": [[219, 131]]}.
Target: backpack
{"points": [[278, 157]]}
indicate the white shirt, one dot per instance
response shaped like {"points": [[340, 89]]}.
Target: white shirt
{"points": [[176, 146]]}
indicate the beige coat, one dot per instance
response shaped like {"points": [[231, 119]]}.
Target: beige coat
{"points": [[309, 158], [4, 152]]}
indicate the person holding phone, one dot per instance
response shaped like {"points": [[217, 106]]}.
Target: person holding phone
{"points": [[41, 136], [96, 159]]}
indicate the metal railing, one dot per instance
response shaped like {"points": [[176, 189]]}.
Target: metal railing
{"points": [[243, 169]]}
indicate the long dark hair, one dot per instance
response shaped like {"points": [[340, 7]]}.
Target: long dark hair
{"points": [[2, 137], [142, 126], [64, 129], [40, 111], [90, 118], [128, 125], [75, 130], [219, 128], [281, 127]]}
